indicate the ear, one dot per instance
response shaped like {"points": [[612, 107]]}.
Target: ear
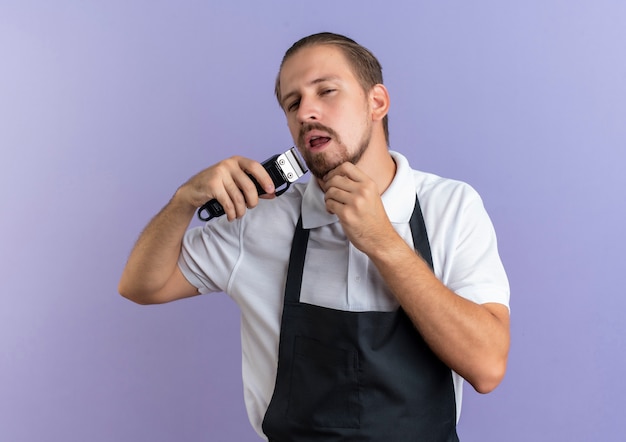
{"points": [[379, 101]]}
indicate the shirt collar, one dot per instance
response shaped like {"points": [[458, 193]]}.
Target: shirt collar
{"points": [[398, 199]]}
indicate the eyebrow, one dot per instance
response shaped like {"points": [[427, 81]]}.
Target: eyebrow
{"points": [[313, 82]]}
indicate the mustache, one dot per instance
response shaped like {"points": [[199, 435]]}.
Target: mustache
{"points": [[307, 127]]}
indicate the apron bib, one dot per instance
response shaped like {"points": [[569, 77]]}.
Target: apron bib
{"points": [[356, 376]]}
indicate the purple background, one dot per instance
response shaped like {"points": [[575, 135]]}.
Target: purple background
{"points": [[106, 107]]}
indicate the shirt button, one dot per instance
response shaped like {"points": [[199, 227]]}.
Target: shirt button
{"points": [[357, 278]]}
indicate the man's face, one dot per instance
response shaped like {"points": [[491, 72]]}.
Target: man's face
{"points": [[327, 110]]}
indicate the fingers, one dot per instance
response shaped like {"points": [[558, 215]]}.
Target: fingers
{"points": [[347, 170], [241, 191], [230, 184], [347, 185], [354, 197], [339, 193], [259, 173]]}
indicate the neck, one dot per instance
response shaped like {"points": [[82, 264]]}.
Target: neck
{"points": [[379, 165]]}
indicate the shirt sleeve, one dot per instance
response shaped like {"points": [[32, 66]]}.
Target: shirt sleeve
{"points": [[209, 254], [466, 243]]}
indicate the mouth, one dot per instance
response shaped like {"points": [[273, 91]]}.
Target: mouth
{"points": [[317, 142], [315, 137]]}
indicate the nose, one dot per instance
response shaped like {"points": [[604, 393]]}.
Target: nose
{"points": [[308, 110]]}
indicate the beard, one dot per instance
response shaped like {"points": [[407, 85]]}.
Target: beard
{"points": [[323, 162]]}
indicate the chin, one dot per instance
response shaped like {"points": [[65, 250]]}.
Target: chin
{"points": [[320, 165]]}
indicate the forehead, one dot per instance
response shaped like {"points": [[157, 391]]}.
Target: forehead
{"points": [[310, 64]]}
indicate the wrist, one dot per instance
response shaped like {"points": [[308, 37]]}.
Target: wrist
{"points": [[392, 248], [181, 202]]}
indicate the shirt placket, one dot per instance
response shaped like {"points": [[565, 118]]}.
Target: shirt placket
{"points": [[356, 279]]}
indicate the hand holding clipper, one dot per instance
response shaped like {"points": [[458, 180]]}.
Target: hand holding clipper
{"points": [[284, 169]]}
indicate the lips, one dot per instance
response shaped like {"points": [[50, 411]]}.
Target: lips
{"points": [[316, 142], [316, 139]]}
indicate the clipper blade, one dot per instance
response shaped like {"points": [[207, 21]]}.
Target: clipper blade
{"points": [[291, 165]]}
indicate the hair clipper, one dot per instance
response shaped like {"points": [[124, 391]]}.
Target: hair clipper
{"points": [[284, 169]]}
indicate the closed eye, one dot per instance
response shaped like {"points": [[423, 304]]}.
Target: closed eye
{"points": [[293, 105]]}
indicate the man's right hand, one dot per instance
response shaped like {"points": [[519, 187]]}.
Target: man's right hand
{"points": [[229, 183]]}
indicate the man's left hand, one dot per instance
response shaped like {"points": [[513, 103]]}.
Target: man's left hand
{"points": [[354, 197]]}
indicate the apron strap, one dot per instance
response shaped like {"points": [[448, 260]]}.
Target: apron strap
{"points": [[420, 236], [296, 263]]}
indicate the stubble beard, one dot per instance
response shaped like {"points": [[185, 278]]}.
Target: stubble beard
{"points": [[321, 163]]}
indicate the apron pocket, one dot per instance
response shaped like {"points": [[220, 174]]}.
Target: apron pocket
{"points": [[324, 389]]}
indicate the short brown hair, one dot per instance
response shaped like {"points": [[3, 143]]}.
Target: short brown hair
{"points": [[366, 67]]}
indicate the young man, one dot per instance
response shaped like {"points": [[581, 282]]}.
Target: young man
{"points": [[367, 294]]}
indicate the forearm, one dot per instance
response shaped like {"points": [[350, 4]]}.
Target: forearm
{"points": [[151, 274], [471, 339], [154, 257]]}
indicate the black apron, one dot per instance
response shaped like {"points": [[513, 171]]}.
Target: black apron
{"points": [[356, 376]]}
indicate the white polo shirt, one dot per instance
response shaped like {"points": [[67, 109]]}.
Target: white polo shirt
{"points": [[248, 259]]}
